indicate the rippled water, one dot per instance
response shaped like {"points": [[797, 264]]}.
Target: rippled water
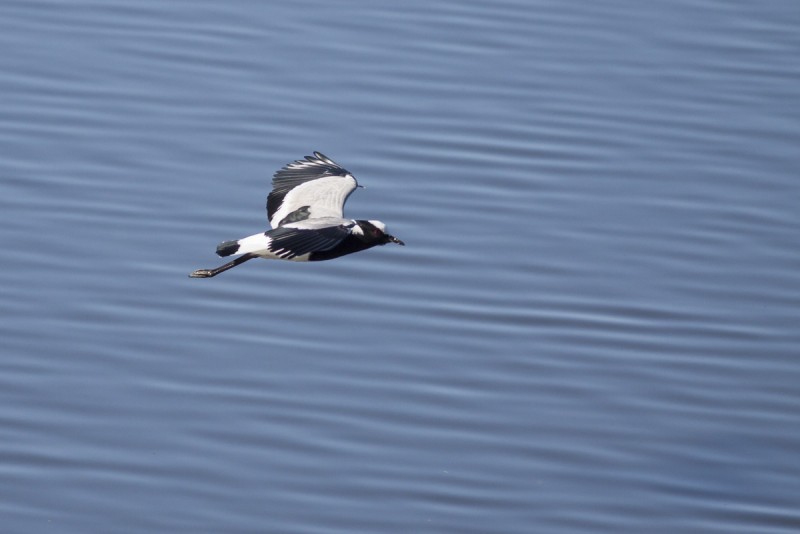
{"points": [[593, 328]]}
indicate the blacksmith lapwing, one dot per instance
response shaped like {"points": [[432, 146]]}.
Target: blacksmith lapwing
{"points": [[305, 212]]}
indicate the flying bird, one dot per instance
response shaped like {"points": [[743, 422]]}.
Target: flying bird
{"points": [[305, 212]]}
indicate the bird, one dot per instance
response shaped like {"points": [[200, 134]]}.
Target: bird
{"points": [[305, 210]]}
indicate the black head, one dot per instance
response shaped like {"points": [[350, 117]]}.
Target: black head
{"points": [[375, 233]]}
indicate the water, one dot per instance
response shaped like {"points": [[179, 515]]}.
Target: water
{"points": [[593, 328]]}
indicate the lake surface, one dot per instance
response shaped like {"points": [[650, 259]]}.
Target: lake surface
{"points": [[594, 326]]}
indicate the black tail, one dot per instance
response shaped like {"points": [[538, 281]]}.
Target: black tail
{"points": [[226, 248]]}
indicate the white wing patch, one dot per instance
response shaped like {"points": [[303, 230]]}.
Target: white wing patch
{"points": [[324, 197]]}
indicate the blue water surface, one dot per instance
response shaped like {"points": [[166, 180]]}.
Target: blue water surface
{"points": [[594, 326]]}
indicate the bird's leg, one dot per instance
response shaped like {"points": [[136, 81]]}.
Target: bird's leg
{"points": [[208, 273]]}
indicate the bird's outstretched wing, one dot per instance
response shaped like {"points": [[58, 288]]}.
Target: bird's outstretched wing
{"points": [[289, 242], [309, 188]]}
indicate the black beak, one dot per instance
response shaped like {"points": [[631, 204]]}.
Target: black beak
{"points": [[393, 239]]}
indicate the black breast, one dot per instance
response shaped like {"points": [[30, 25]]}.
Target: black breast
{"points": [[352, 243]]}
